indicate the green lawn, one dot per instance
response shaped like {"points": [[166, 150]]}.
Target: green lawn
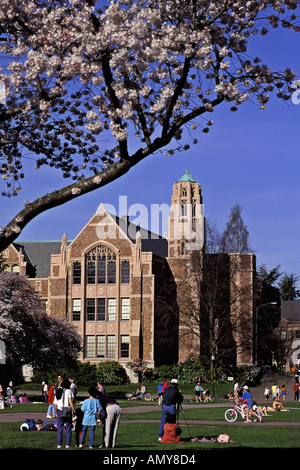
{"points": [[140, 436], [143, 436]]}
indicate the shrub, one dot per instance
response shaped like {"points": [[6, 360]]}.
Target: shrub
{"points": [[111, 373]]}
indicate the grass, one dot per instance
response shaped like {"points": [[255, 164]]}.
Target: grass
{"points": [[141, 436], [136, 436]]}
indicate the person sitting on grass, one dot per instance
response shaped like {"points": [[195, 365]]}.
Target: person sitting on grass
{"points": [[171, 431], [136, 395], [277, 406]]}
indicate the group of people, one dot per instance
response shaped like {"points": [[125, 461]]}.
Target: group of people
{"points": [[141, 393], [252, 409], [9, 399], [276, 391], [202, 394], [98, 409]]}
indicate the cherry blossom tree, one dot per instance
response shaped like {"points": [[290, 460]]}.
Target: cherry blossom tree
{"points": [[133, 73], [30, 335]]}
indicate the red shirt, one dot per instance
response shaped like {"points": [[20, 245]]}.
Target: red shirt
{"points": [[51, 395], [171, 434]]}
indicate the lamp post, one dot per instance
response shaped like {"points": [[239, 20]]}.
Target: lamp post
{"points": [[213, 366], [256, 325]]}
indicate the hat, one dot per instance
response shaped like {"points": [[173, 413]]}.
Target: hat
{"points": [[174, 381], [246, 387], [198, 383], [24, 427]]}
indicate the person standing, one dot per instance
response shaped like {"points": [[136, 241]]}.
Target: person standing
{"points": [[111, 413], [274, 390], [64, 397], [267, 393], [172, 398], [236, 391], [73, 387], [284, 392], [100, 387], [296, 391], [51, 396], [45, 392], [159, 393], [91, 408], [197, 391]]}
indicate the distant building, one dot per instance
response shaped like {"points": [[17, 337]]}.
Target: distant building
{"points": [[107, 281], [290, 329]]}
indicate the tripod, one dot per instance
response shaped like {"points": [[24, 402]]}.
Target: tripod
{"points": [[180, 409]]}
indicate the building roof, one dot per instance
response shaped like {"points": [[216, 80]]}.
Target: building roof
{"points": [[187, 177], [290, 310], [38, 254], [150, 241]]}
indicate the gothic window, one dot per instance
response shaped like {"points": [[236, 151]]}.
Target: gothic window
{"points": [[111, 309], [101, 265], [194, 209], [76, 309], [101, 309], [125, 346], [125, 308], [111, 269], [125, 274], [90, 310], [77, 272], [90, 347], [111, 347], [101, 346]]}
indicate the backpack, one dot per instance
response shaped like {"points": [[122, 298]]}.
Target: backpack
{"points": [[224, 438]]}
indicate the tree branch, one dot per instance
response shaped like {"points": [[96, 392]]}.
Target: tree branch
{"points": [[57, 198]]}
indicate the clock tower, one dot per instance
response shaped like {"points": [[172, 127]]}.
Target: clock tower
{"points": [[186, 221]]}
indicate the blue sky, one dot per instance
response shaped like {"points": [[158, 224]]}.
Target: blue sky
{"points": [[250, 157]]}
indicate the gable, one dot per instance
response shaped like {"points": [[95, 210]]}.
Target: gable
{"points": [[102, 228]]}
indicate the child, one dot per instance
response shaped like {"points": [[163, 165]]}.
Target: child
{"points": [[91, 408], [171, 431]]}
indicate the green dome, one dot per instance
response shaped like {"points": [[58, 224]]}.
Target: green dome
{"points": [[187, 177]]}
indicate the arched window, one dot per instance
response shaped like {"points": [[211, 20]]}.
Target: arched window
{"points": [[101, 265]]}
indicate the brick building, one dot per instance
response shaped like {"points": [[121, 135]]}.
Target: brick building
{"points": [[108, 280], [290, 331]]}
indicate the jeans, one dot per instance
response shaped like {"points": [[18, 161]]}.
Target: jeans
{"points": [[92, 434], [61, 423], [166, 411], [51, 409]]}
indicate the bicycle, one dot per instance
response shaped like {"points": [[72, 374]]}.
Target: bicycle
{"points": [[232, 414]]}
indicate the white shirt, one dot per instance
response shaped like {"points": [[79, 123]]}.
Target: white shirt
{"points": [[59, 403]]}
